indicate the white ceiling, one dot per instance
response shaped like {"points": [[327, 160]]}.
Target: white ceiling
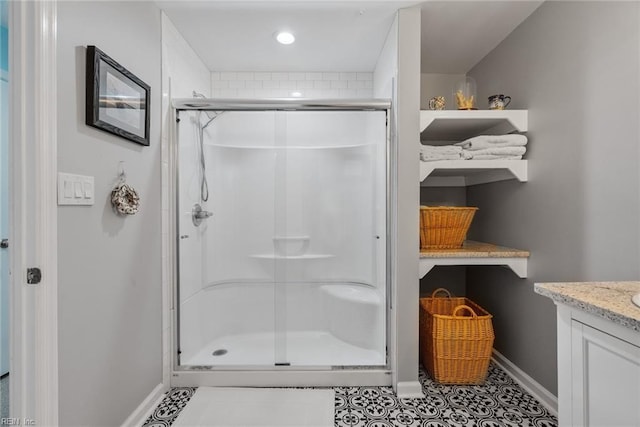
{"points": [[345, 35], [330, 36]]}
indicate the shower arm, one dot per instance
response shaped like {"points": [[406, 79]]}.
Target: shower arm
{"points": [[216, 113]]}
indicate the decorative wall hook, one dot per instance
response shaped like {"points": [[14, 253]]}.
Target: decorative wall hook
{"points": [[122, 174]]}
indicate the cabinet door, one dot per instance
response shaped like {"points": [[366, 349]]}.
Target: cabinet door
{"points": [[605, 379]]}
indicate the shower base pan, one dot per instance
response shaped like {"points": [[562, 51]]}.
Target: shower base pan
{"points": [[302, 348]]}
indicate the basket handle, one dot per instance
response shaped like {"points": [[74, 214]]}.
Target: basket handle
{"points": [[433, 295], [464, 307]]}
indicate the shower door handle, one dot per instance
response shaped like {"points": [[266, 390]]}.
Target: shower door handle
{"points": [[4, 243]]}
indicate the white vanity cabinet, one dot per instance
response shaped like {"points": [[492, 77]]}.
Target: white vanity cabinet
{"points": [[598, 371]]}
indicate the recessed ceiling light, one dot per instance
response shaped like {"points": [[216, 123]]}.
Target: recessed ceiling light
{"points": [[285, 37]]}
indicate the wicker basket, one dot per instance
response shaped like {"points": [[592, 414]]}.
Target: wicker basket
{"points": [[444, 227], [456, 339]]}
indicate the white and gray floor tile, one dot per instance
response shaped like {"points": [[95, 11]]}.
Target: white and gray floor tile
{"points": [[500, 402]]}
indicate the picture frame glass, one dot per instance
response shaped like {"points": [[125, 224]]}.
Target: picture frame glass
{"points": [[122, 103]]}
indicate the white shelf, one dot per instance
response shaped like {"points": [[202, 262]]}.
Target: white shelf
{"points": [[463, 173], [458, 125], [476, 253]]}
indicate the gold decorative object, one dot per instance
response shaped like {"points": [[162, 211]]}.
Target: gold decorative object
{"points": [[463, 102], [465, 93]]}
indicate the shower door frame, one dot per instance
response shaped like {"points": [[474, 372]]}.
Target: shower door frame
{"points": [[273, 375]]}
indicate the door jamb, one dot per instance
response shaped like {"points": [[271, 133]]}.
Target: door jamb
{"points": [[33, 211]]}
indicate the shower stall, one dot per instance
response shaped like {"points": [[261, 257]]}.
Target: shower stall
{"points": [[282, 235]]}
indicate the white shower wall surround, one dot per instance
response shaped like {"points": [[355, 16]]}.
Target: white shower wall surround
{"points": [[291, 267], [248, 84]]}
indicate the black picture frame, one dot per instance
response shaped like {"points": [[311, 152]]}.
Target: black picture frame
{"points": [[116, 100]]}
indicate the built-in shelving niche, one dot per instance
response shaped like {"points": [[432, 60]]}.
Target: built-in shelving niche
{"points": [[451, 125]]}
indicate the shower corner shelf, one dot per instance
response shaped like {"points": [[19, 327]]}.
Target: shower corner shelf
{"points": [[476, 253], [292, 257], [464, 173]]}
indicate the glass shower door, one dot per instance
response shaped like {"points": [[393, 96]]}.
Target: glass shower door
{"points": [[226, 264], [331, 215], [289, 268]]}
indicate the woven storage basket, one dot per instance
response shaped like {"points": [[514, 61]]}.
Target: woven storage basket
{"points": [[456, 339], [444, 227]]}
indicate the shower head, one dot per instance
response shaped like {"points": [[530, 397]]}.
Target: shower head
{"points": [[212, 115], [199, 95]]}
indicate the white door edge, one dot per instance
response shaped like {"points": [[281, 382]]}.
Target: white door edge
{"points": [[33, 211]]}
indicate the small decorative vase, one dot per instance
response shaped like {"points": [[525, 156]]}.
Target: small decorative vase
{"points": [[437, 103], [499, 102]]}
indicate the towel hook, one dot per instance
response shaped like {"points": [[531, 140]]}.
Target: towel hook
{"points": [[122, 174]]}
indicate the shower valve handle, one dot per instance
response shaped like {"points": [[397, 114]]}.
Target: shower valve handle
{"points": [[198, 215]]}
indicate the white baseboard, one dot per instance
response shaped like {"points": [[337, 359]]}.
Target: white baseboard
{"points": [[534, 388], [407, 389], [142, 412]]}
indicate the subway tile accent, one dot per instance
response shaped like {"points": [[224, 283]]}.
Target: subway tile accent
{"points": [[282, 84]]}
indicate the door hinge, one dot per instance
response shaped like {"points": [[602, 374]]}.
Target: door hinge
{"points": [[34, 275]]}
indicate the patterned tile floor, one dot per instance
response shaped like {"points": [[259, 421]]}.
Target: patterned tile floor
{"points": [[4, 396], [500, 402]]}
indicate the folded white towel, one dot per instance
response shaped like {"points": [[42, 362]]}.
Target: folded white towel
{"points": [[487, 141], [436, 157], [440, 149], [493, 157], [430, 153], [499, 151]]}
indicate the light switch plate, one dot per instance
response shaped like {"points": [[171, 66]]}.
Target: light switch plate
{"points": [[75, 189]]}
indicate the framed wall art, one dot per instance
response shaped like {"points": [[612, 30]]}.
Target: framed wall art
{"points": [[116, 100]]}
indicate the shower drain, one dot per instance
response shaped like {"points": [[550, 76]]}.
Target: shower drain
{"points": [[220, 352]]}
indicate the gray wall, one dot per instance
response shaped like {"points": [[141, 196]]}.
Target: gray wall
{"points": [[110, 321], [574, 65]]}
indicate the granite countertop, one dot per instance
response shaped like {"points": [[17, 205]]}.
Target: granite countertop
{"points": [[611, 300], [472, 249]]}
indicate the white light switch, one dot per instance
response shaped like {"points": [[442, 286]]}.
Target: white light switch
{"points": [[88, 189], [75, 189], [68, 189]]}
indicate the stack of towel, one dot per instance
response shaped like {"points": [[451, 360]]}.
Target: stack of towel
{"points": [[487, 147], [484, 147], [431, 153]]}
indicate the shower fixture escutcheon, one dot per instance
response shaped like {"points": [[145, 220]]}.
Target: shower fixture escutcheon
{"points": [[198, 214]]}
